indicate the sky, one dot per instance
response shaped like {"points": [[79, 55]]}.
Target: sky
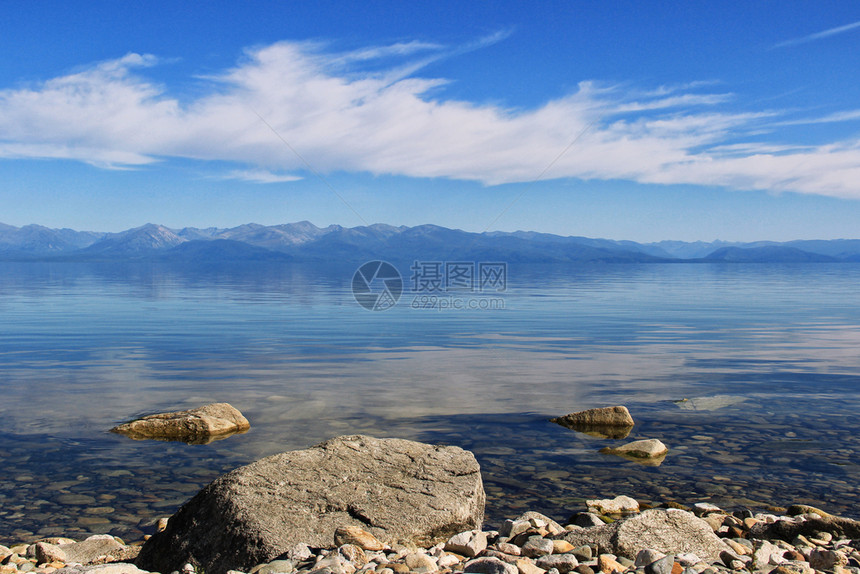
{"points": [[631, 120]]}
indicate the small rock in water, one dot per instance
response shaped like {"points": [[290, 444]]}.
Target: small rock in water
{"points": [[200, 425], [608, 422], [644, 449]]}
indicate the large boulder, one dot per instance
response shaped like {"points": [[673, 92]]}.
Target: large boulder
{"points": [[669, 531], [200, 425], [398, 490]]}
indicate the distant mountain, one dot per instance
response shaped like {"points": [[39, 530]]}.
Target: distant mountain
{"points": [[303, 241], [134, 242], [768, 254], [38, 240]]}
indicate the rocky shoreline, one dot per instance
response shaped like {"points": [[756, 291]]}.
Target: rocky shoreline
{"points": [[669, 539], [357, 504]]}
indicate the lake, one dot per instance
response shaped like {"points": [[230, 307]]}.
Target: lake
{"points": [[750, 374]]}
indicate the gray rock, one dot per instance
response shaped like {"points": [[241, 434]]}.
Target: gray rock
{"points": [[661, 566], [276, 567], [607, 422], [564, 563], [200, 425], [537, 519], [767, 554], [583, 553], [44, 552], [537, 546], [86, 551], [789, 529], [398, 490], [649, 448], [511, 528], [827, 559], [617, 505], [669, 531], [585, 520], [647, 556], [490, 566], [469, 543]]}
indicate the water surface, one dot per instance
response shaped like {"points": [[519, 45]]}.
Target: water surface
{"points": [[766, 356]]}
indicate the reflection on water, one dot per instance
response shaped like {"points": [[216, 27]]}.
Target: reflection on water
{"points": [[749, 374]]}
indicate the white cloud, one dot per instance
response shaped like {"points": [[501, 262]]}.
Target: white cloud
{"points": [[260, 176], [368, 111], [819, 35]]}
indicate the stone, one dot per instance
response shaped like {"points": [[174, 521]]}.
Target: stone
{"points": [[562, 547], [508, 548], [420, 563], [538, 520], [663, 565], [767, 554], [469, 543], [821, 559], [564, 563], [585, 520], [789, 528], [669, 531], [489, 565], [511, 528], [583, 569], [537, 546], [358, 536], [115, 568], [646, 556], [799, 509], [200, 425], [398, 490], [737, 547], [335, 564], [583, 553], [607, 564], [607, 422], [448, 561], [353, 554], [99, 548], [276, 567], [792, 568], [702, 508], [526, 567], [617, 505], [649, 448], [45, 552]]}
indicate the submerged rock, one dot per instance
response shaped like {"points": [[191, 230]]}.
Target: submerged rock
{"points": [[397, 490], [200, 425], [649, 451], [606, 422]]}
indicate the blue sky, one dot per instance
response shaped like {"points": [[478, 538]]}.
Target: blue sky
{"points": [[625, 120]]}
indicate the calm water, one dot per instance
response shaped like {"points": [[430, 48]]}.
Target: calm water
{"points": [[767, 357]]}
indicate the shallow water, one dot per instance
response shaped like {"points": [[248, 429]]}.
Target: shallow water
{"points": [[766, 356]]}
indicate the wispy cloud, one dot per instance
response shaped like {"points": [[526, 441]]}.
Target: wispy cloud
{"points": [[261, 176], [819, 35], [369, 111], [846, 116]]}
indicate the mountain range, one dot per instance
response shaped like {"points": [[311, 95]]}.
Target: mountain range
{"points": [[304, 241]]}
